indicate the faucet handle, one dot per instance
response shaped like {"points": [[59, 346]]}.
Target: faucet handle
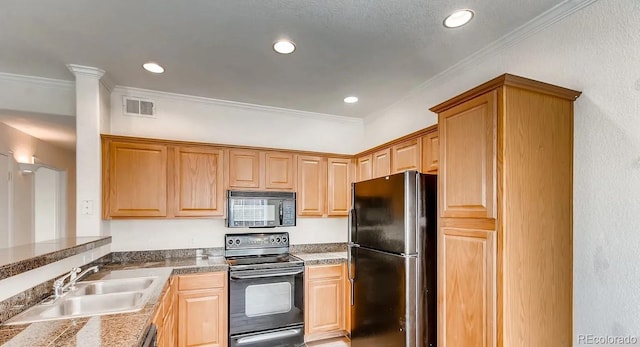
{"points": [[74, 273]]}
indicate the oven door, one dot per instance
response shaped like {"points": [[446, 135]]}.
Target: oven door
{"points": [[261, 300]]}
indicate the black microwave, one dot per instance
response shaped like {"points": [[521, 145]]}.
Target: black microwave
{"points": [[252, 209]]}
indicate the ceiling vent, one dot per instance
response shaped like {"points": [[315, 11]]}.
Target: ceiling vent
{"points": [[139, 107]]}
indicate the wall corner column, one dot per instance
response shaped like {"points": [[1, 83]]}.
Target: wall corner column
{"points": [[88, 150]]}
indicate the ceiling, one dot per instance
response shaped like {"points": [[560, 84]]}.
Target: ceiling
{"points": [[54, 129], [378, 50]]}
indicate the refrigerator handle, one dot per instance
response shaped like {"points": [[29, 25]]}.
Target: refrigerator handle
{"points": [[351, 271]]}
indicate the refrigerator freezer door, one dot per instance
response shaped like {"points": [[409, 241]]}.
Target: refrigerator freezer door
{"points": [[386, 213], [387, 300]]}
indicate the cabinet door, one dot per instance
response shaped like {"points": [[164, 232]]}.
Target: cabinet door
{"points": [[339, 186], [364, 168], [279, 171], [137, 176], [406, 155], [202, 317], [466, 288], [467, 154], [325, 299], [430, 153], [198, 181], [311, 185], [381, 163], [244, 168]]}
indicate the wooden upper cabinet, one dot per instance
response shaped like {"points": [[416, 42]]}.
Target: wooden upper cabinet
{"points": [[339, 186], [407, 155], [136, 174], [364, 168], [467, 171], [466, 288], [198, 181], [311, 185], [430, 153], [244, 168], [381, 163], [279, 170]]}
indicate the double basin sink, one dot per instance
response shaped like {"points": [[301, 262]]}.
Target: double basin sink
{"points": [[93, 298]]}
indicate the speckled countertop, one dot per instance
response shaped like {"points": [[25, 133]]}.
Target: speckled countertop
{"points": [[127, 329], [116, 330], [322, 258]]}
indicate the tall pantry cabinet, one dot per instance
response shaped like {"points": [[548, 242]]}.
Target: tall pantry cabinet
{"points": [[505, 215]]}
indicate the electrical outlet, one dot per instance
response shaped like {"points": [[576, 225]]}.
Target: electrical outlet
{"points": [[86, 207]]}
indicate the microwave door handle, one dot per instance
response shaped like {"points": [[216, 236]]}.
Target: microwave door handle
{"points": [[281, 212]]}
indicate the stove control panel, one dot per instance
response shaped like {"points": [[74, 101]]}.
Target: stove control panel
{"points": [[256, 240]]}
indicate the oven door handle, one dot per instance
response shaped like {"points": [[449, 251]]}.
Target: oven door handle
{"points": [[269, 336], [238, 276]]}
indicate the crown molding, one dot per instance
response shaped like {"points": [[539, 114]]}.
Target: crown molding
{"points": [[107, 82], [43, 81], [516, 36], [86, 71], [149, 94]]}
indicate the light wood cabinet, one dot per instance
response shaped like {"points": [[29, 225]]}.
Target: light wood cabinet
{"points": [[505, 269], [430, 153], [244, 168], [325, 301], [261, 170], [381, 163], [279, 171], [198, 182], [467, 285], [164, 317], [407, 155], [339, 186], [136, 174], [311, 185], [468, 149], [153, 179], [364, 168], [202, 310]]}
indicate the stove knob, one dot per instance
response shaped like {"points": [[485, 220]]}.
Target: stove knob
{"points": [[237, 241], [278, 240], [230, 242], [273, 240], [284, 240]]}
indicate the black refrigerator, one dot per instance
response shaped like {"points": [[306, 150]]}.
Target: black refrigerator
{"points": [[392, 261]]}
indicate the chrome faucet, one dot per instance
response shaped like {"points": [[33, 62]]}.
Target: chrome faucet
{"points": [[59, 287]]}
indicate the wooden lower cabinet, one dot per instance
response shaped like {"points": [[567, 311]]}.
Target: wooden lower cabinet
{"points": [[466, 287], [165, 317], [202, 310], [326, 301]]}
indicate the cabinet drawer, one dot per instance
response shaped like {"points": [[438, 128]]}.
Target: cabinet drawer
{"points": [[324, 271], [202, 281]]}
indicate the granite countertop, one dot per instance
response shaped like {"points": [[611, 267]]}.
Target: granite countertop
{"points": [[127, 329], [115, 330], [19, 259], [322, 258]]}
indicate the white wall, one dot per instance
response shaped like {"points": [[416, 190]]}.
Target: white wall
{"points": [[24, 146], [190, 118], [596, 51], [36, 95]]}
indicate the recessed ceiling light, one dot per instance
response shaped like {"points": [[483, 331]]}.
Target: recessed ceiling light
{"points": [[351, 99], [153, 67], [284, 47], [458, 18]]}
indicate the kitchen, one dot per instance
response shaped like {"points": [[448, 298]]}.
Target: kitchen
{"points": [[590, 50]]}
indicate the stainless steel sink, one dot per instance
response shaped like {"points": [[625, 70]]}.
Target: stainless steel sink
{"points": [[95, 305], [113, 286], [92, 299]]}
